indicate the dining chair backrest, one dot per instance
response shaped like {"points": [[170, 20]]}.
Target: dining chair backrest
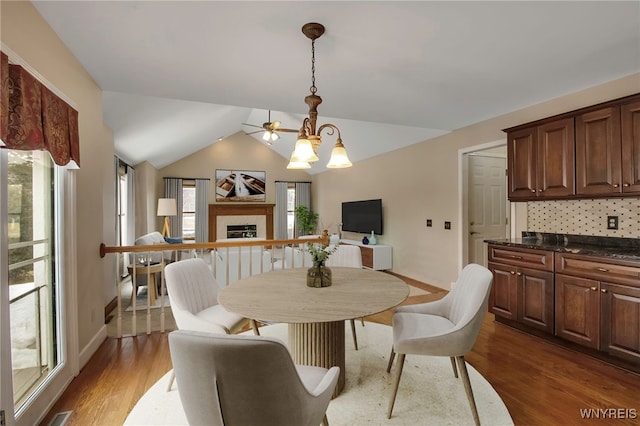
{"points": [[191, 286], [470, 295], [244, 380], [346, 255]]}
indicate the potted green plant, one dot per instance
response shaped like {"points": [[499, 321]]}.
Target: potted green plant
{"points": [[307, 220]]}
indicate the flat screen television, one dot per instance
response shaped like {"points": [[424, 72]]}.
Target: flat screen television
{"points": [[362, 216]]}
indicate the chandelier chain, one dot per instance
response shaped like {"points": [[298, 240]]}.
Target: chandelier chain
{"points": [[313, 67]]}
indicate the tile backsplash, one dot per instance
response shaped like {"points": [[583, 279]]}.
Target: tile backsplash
{"points": [[585, 217]]}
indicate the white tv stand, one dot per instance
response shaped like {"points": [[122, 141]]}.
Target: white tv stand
{"points": [[377, 257]]}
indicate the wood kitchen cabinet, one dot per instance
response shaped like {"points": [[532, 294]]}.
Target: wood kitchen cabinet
{"points": [[620, 317], [630, 132], [590, 152], [608, 150], [578, 310], [522, 288], [587, 302], [598, 304], [541, 161], [598, 152]]}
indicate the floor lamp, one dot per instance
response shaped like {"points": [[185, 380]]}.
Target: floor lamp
{"points": [[167, 207]]}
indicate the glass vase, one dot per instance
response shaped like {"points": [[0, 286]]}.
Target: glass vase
{"points": [[318, 276]]}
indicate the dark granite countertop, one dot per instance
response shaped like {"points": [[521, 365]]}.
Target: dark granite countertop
{"points": [[610, 247]]}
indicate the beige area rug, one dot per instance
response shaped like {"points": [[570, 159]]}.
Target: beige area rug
{"points": [[428, 394]]}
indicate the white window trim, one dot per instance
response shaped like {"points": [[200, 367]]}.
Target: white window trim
{"points": [[43, 399]]}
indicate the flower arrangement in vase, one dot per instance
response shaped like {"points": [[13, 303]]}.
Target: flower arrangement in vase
{"points": [[319, 275]]}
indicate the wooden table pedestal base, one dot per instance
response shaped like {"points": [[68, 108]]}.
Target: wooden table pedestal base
{"points": [[320, 344]]}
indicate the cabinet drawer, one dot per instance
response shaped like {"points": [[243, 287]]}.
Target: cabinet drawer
{"points": [[367, 256], [596, 268], [536, 259]]}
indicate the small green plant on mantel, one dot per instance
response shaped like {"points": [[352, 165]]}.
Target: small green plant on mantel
{"points": [[307, 220]]}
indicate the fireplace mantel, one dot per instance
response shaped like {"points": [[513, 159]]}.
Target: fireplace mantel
{"points": [[216, 210]]}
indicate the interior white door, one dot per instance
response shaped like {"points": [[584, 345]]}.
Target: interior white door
{"points": [[487, 204]]}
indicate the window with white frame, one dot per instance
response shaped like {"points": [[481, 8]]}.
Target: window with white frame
{"points": [[188, 209]]}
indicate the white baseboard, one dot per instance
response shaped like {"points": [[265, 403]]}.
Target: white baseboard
{"points": [[87, 352]]}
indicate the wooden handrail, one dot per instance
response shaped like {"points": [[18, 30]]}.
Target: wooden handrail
{"points": [[104, 249]]}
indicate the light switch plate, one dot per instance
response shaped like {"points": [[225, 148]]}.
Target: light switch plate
{"points": [[612, 222]]}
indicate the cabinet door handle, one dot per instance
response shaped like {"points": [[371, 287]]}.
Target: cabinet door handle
{"points": [[616, 185], [513, 256], [539, 190], [602, 270], [533, 190], [518, 273], [604, 290], [626, 185], [512, 272], [594, 288]]}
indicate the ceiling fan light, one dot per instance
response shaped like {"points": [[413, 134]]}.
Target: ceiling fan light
{"points": [[339, 159], [295, 163], [274, 136], [303, 151], [266, 136]]}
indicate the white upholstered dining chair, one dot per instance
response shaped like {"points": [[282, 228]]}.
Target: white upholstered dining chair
{"points": [[446, 327], [247, 380], [193, 297], [347, 256]]}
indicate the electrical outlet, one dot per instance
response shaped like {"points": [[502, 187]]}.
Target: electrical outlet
{"points": [[429, 223], [612, 222], [447, 225]]}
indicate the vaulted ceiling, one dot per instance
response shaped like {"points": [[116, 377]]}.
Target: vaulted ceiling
{"points": [[179, 75]]}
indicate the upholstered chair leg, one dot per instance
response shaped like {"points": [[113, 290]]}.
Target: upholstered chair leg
{"points": [[392, 355], [453, 365], [397, 384], [362, 321], [325, 422], [353, 332], [254, 325], [462, 366], [171, 380]]}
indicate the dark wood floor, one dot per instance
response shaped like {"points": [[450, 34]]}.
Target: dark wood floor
{"points": [[540, 383]]}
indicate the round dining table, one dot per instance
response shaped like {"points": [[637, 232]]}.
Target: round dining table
{"points": [[315, 315]]}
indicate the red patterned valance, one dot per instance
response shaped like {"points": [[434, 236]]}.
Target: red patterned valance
{"points": [[37, 118]]}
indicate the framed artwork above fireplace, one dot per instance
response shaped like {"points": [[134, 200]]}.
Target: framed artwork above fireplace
{"points": [[240, 186]]}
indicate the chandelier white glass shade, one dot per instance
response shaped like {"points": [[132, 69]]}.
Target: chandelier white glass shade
{"points": [[309, 139]]}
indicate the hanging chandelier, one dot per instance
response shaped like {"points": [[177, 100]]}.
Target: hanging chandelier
{"points": [[309, 139]]}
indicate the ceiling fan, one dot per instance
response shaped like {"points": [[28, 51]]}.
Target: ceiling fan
{"points": [[270, 129]]}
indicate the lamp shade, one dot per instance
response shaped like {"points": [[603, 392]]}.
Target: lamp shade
{"points": [[303, 151], [167, 207], [339, 157], [294, 163]]}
